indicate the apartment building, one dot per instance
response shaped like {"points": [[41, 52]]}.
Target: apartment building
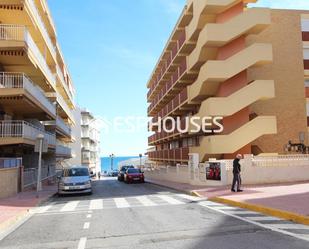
{"points": [[249, 66], [90, 136], [36, 90]]}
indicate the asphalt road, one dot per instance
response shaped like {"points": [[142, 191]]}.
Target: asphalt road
{"points": [[136, 216]]}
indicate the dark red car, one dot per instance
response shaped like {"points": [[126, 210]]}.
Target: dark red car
{"points": [[134, 175]]}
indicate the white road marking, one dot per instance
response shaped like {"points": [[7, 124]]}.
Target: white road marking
{"points": [[82, 243], [241, 212], [96, 204], [86, 225], [43, 209], [89, 212], [145, 201], [289, 226], [88, 216], [266, 226], [263, 218], [70, 206], [191, 197], [210, 203], [170, 200], [227, 208], [121, 203]]}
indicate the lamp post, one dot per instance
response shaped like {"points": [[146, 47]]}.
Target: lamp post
{"points": [[40, 139], [112, 161], [140, 160]]}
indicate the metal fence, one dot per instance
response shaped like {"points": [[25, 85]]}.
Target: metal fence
{"points": [[30, 175]]}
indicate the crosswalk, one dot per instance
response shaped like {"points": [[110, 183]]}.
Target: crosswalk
{"points": [[119, 203], [268, 222]]}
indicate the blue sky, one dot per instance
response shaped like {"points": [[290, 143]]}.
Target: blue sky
{"points": [[111, 48]]}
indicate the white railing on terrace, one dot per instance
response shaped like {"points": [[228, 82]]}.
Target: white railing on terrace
{"points": [[20, 80], [23, 129], [11, 32], [42, 27], [280, 160], [64, 106]]}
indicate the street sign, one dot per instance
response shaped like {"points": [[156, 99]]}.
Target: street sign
{"points": [[44, 147]]}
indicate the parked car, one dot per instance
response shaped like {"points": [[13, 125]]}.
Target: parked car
{"points": [[122, 171], [113, 173], [134, 175], [74, 180]]}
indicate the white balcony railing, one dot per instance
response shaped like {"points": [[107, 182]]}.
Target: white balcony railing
{"points": [[20, 33], [42, 27], [20, 80], [64, 106], [23, 129]]}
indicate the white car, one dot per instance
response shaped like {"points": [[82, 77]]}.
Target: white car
{"points": [[75, 180]]}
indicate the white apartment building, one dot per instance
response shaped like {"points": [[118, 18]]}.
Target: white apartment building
{"points": [[90, 141]]}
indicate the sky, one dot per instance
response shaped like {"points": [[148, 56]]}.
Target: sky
{"points": [[111, 48]]}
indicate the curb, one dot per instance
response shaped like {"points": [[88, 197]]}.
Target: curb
{"points": [[189, 192], [265, 210]]}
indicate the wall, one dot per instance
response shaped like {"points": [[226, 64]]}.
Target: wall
{"points": [[255, 170], [289, 104], [8, 182]]}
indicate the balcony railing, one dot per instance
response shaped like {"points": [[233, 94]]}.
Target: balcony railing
{"points": [[170, 57], [20, 80], [63, 149], [63, 82], [23, 129], [20, 33], [42, 27], [177, 154], [64, 106], [63, 126]]}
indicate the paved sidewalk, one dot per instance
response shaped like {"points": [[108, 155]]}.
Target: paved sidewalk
{"points": [[289, 201], [15, 208]]}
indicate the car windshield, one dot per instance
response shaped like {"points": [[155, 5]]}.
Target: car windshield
{"points": [[75, 172], [133, 171]]}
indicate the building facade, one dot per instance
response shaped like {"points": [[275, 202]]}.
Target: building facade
{"points": [[36, 90], [90, 136], [236, 63]]}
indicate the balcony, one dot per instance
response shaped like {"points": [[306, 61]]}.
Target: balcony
{"points": [[62, 128], [211, 73], [228, 144], [178, 155], [22, 132], [64, 110], [63, 150], [28, 13], [16, 37], [29, 99], [30, 5], [63, 86]]}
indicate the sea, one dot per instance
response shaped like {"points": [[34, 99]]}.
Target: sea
{"points": [[106, 162]]}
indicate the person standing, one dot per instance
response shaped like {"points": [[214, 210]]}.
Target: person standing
{"points": [[236, 174]]}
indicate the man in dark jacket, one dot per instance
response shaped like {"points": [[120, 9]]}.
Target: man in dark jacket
{"points": [[236, 174]]}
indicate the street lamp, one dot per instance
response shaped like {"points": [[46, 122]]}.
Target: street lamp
{"points": [[40, 139], [140, 160], [112, 161]]}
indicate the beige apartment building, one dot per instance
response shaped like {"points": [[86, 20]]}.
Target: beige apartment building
{"points": [[249, 66], [90, 137], [36, 90]]}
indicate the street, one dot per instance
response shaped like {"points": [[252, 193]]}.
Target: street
{"points": [[118, 215]]}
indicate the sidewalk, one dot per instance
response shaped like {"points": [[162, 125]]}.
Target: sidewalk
{"points": [[14, 209], [288, 201]]}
